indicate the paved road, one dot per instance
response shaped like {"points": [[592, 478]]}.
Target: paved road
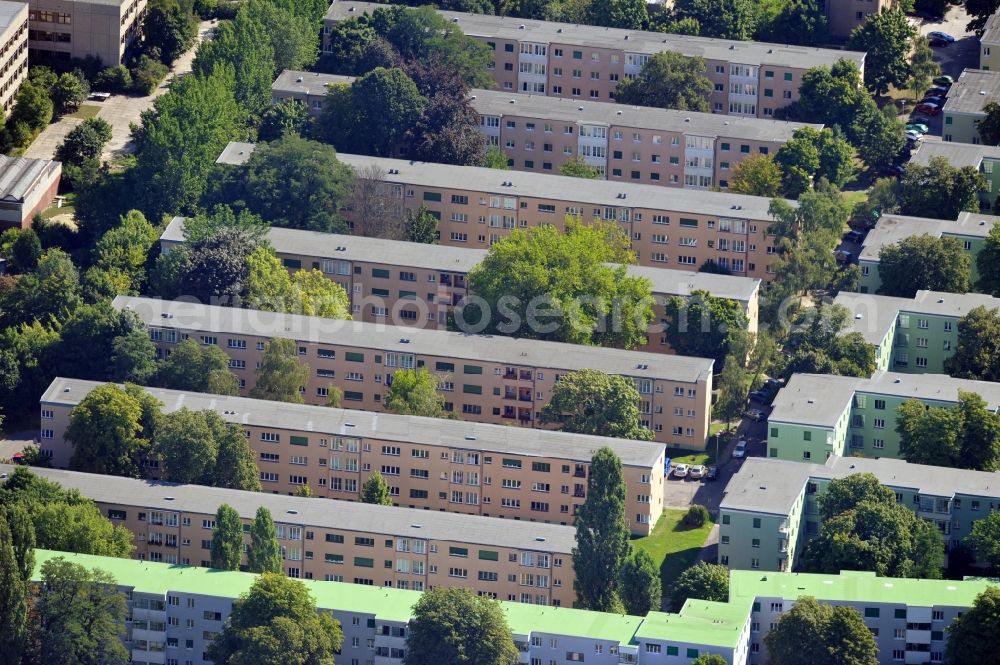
{"points": [[118, 110]]}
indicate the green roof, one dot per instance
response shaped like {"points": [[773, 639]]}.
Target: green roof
{"points": [[699, 622], [856, 586], [525, 619]]}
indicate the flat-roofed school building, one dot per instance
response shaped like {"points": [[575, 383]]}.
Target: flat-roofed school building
{"points": [[65, 29], [587, 62], [669, 228], [431, 463], [626, 143], [526, 562], [383, 278], [485, 378]]}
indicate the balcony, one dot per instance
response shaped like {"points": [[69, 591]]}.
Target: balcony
{"points": [[579, 494], [784, 527]]}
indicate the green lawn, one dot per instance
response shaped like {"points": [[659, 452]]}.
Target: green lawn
{"points": [[84, 112], [673, 546]]}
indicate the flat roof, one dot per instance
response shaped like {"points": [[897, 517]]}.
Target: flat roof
{"points": [[313, 512], [665, 281], [188, 315], [414, 430], [766, 485], [957, 154], [546, 186], [890, 229], [700, 622], [9, 12], [819, 399], [991, 31], [972, 91], [629, 41], [856, 586], [306, 83], [873, 315]]}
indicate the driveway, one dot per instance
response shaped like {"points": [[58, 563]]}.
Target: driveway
{"points": [[118, 110]]}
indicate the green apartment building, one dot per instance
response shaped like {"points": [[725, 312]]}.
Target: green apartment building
{"points": [[818, 416], [964, 107], [913, 336], [769, 508], [970, 229], [983, 158]]}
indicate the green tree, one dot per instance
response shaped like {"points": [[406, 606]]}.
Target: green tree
{"points": [[977, 352], [980, 444], [415, 393], [80, 527], [758, 175], [729, 19], [629, 14], [831, 96], [307, 292], [704, 325], [843, 494], [376, 490], [989, 127], [187, 446], [13, 601], [33, 107], [276, 622], [236, 465], [68, 91], [709, 659], [22, 534], [702, 581], [495, 158], [877, 135], [227, 539], [264, 555], [964, 436], [451, 625], [591, 402], [544, 284], [421, 226], [887, 39], [668, 80], [602, 532], [939, 190], [988, 263], [107, 434], [281, 373], [980, 11], [127, 247], [197, 368], [640, 584], [922, 67], [812, 633], [984, 538], [81, 615], [290, 116], [801, 22], [968, 641], [577, 168], [170, 27], [25, 251], [133, 357], [51, 292], [817, 343], [924, 262], [732, 389]]}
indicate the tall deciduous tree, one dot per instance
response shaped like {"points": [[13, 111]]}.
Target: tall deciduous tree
{"points": [[977, 353], [22, 534], [187, 446], [421, 226], [924, 262], [758, 175], [887, 38], [704, 325], [227, 539], [968, 641], [577, 168], [989, 127], [264, 555], [197, 368], [980, 11], [830, 95], [801, 22], [452, 625], [966, 435], [668, 80], [592, 402], [988, 263], [376, 490], [877, 135], [107, 433], [812, 633], [641, 588], [602, 532], [702, 581], [728, 19], [630, 14], [922, 66], [276, 622], [169, 26], [414, 393], [281, 373], [939, 190], [13, 601]]}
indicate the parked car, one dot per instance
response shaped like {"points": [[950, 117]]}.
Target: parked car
{"points": [[774, 384], [917, 127], [756, 415], [759, 396], [920, 119], [896, 170], [913, 136], [741, 448], [938, 91], [854, 236], [697, 472], [944, 80], [937, 34], [843, 256], [938, 42], [928, 108], [712, 473], [681, 471]]}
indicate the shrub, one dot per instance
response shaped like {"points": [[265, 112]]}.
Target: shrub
{"points": [[114, 79], [696, 516], [147, 74]]}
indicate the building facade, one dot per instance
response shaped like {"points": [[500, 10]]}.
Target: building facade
{"points": [[770, 510], [65, 29], [989, 44], [817, 416], [429, 463], [843, 16], [751, 79], [625, 143], [27, 187], [491, 379], [381, 278], [964, 107], [669, 228], [985, 159], [970, 229], [13, 51]]}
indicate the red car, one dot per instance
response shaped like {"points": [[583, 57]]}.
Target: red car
{"points": [[928, 108]]}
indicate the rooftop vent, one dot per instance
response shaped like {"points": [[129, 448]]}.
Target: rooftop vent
{"points": [[298, 80], [168, 498], [898, 381], [982, 92], [472, 97], [349, 425], [641, 366], [940, 300], [470, 438], [810, 401], [416, 526], [687, 119], [540, 539], [559, 30], [579, 108], [292, 512], [626, 37], [619, 112], [404, 341], [858, 317], [520, 27], [66, 390], [454, 20], [513, 101]]}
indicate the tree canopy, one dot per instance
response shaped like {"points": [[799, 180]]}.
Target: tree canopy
{"points": [[264, 555], [281, 374], [414, 392], [758, 175], [376, 490], [227, 539], [988, 263], [451, 625], [702, 581], [705, 326], [641, 588], [939, 190], [886, 38], [924, 262], [813, 633], [965, 436], [591, 402], [968, 634], [977, 352], [668, 80]]}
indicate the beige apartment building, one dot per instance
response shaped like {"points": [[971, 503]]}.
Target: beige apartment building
{"points": [[485, 378], [344, 542], [669, 228], [625, 143], [587, 62], [67, 29], [989, 44], [436, 464], [843, 16], [382, 278], [13, 50]]}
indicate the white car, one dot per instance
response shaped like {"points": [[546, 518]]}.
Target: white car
{"points": [[914, 136], [681, 471], [697, 472], [741, 449]]}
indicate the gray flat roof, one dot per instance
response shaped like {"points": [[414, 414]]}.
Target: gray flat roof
{"points": [[766, 485], [9, 11], [991, 31], [957, 154], [306, 83], [973, 90], [438, 343], [385, 426], [316, 512], [890, 229], [546, 186], [19, 176], [873, 315], [820, 399], [630, 41], [665, 281]]}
